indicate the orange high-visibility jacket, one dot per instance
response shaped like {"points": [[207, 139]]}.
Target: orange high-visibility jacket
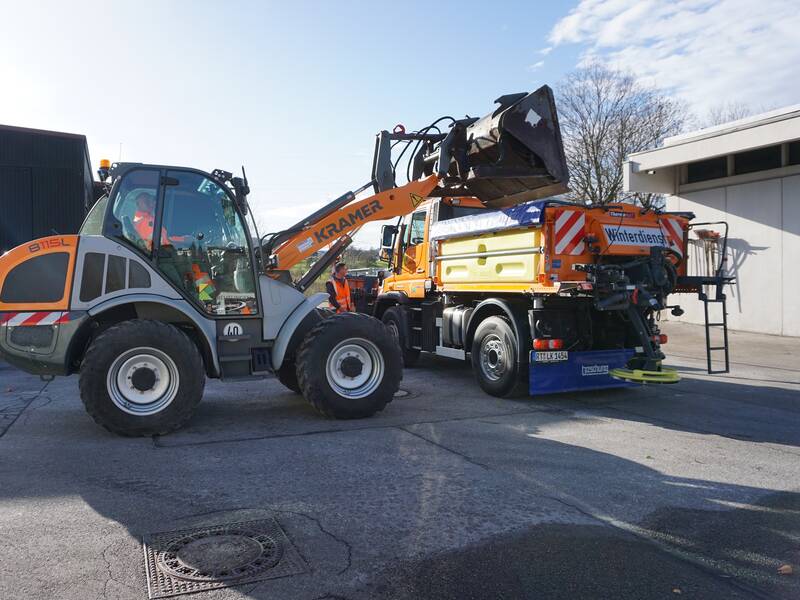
{"points": [[339, 292]]}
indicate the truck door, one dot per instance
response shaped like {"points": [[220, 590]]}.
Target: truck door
{"points": [[413, 256]]}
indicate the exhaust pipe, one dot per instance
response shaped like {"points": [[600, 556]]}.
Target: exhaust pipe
{"points": [[512, 155]]}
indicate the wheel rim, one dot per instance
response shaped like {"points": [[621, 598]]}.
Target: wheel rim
{"points": [[355, 368], [142, 381], [493, 357]]}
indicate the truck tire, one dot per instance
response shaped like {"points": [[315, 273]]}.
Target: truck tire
{"points": [[495, 352], [349, 366], [287, 375], [141, 378], [396, 323]]}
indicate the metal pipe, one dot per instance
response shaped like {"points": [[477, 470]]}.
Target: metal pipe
{"points": [[322, 263], [492, 253]]}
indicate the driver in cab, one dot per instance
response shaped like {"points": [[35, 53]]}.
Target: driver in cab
{"points": [[144, 218]]}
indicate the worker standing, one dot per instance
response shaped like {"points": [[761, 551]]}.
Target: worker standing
{"points": [[339, 290]]}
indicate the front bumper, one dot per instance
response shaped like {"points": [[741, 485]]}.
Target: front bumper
{"points": [[40, 342]]}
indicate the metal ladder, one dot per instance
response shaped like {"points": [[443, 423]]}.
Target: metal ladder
{"points": [[719, 298], [718, 281]]}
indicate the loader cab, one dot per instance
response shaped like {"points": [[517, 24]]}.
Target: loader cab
{"points": [[190, 228]]}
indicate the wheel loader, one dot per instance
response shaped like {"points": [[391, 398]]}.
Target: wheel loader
{"points": [[169, 282]]}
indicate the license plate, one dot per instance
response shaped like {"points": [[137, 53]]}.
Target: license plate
{"points": [[551, 356]]}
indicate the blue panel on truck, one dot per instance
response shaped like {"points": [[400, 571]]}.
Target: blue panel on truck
{"points": [[581, 371]]}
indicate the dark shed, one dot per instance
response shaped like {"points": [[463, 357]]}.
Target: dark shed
{"points": [[46, 184]]}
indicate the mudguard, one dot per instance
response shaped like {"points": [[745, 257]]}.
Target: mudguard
{"points": [[207, 327], [287, 330], [516, 316]]}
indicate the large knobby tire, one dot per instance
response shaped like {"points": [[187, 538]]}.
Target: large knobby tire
{"points": [[142, 377], [349, 366], [396, 323], [495, 352], [287, 375]]}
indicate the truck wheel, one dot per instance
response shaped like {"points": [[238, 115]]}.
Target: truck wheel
{"points": [[395, 322], [349, 366], [287, 375], [142, 378], [494, 359]]}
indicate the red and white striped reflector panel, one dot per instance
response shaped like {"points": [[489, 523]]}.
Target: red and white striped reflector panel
{"points": [[674, 232], [29, 319], [569, 231]]}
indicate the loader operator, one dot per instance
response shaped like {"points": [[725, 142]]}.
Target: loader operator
{"points": [[339, 290], [144, 218]]}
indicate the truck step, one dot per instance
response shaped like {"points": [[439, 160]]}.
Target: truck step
{"points": [[235, 358]]}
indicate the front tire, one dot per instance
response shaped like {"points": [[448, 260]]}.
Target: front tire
{"points": [[395, 321], [141, 378], [287, 375], [495, 359], [349, 366]]}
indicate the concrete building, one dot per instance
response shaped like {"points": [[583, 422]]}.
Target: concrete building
{"points": [[747, 173]]}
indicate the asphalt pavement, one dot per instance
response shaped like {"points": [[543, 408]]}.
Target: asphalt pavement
{"points": [[689, 490]]}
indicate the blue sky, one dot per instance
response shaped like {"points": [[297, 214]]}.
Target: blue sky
{"points": [[296, 91]]}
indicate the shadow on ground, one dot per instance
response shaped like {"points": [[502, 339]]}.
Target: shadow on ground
{"points": [[449, 494]]}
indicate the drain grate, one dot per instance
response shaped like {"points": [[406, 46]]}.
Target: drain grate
{"points": [[208, 558]]}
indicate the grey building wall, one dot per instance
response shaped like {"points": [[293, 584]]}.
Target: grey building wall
{"points": [[763, 253]]}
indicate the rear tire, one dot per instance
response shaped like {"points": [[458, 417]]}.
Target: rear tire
{"points": [[495, 352], [349, 366], [396, 323], [141, 378]]}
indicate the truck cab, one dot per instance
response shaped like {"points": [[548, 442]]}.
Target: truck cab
{"points": [[407, 245]]}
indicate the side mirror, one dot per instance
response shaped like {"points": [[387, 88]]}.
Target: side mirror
{"points": [[387, 236], [240, 192]]}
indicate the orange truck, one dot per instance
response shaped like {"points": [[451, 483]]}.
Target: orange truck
{"points": [[545, 296]]}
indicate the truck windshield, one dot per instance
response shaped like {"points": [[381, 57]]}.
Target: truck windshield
{"points": [[448, 211]]}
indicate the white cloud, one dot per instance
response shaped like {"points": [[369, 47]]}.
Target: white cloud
{"points": [[706, 51], [536, 65], [545, 51]]}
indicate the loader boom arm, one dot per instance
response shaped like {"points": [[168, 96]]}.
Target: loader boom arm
{"points": [[511, 155], [344, 221]]}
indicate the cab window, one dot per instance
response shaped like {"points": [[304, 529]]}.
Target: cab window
{"points": [[416, 229], [93, 224], [134, 208], [203, 247]]}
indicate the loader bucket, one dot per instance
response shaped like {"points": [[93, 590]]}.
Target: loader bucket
{"points": [[512, 155]]}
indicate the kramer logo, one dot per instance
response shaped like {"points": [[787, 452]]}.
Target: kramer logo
{"points": [[357, 216], [589, 370], [635, 236]]}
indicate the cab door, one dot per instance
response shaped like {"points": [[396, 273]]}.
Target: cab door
{"points": [[189, 228], [412, 256]]}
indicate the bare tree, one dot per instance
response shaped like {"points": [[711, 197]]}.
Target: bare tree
{"points": [[726, 112], [606, 115]]}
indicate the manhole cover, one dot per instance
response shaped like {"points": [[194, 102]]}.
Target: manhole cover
{"points": [[193, 560]]}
